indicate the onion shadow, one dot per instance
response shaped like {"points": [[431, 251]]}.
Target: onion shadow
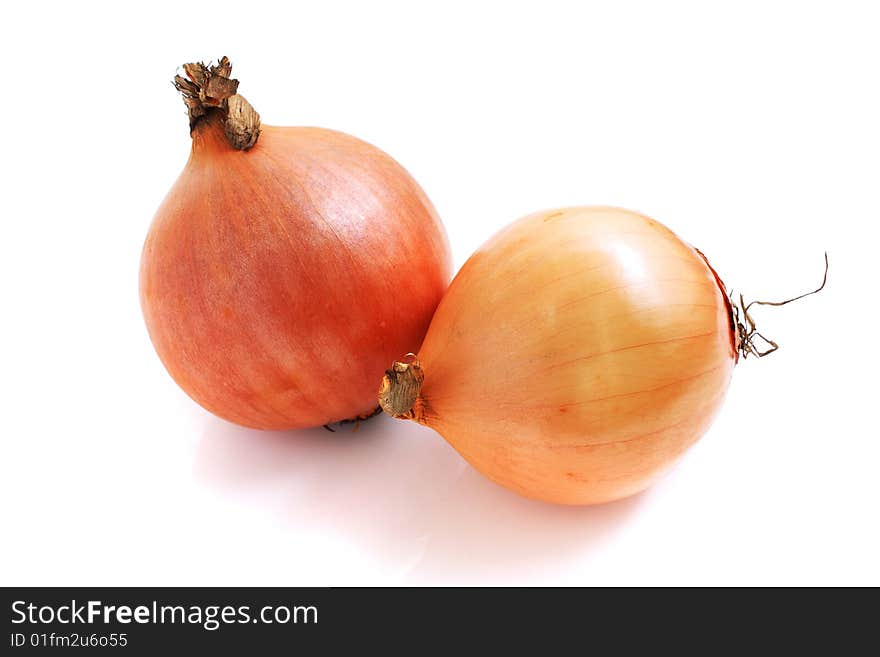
{"points": [[406, 500]]}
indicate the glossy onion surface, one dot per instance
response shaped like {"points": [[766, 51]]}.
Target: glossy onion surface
{"points": [[577, 355]]}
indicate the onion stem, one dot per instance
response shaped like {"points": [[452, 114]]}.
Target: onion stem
{"points": [[399, 392], [209, 90]]}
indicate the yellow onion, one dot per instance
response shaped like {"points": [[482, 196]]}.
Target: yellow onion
{"points": [[575, 356]]}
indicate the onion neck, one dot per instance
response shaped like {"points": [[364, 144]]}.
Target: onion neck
{"points": [[208, 133], [400, 389], [212, 99]]}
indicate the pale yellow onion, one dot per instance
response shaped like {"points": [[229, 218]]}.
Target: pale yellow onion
{"points": [[575, 356]]}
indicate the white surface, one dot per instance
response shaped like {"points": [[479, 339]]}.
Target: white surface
{"points": [[753, 132]]}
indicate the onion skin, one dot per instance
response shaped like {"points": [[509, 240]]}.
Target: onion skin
{"points": [[272, 278], [577, 355]]}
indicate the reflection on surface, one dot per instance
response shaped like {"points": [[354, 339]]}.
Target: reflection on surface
{"points": [[631, 261], [401, 495]]}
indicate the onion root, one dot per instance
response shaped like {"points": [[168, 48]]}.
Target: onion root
{"points": [[747, 330]]}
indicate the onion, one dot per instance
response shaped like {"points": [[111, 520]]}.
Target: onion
{"points": [[575, 356], [272, 274]]}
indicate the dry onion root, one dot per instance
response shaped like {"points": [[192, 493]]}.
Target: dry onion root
{"points": [[265, 278], [576, 355]]}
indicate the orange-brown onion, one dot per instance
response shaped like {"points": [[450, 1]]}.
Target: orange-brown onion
{"points": [[576, 355], [272, 274]]}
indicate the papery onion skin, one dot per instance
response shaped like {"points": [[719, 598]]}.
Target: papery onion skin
{"points": [[271, 279], [577, 355]]}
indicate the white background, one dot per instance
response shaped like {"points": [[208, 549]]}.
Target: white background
{"points": [[751, 129]]}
